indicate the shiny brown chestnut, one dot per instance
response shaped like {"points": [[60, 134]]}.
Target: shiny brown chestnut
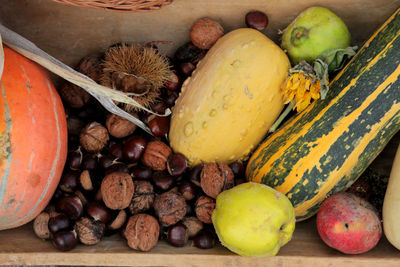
{"points": [[204, 239], [141, 172], [257, 20], [65, 240], [158, 125], [187, 68], [178, 235], [98, 212], [177, 164], [133, 148], [59, 223], [187, 190], [72, 206], [163, 180], [69, 181]]}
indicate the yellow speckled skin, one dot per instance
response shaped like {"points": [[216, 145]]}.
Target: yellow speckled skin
{"points": [[253, 220], [228, 104]]}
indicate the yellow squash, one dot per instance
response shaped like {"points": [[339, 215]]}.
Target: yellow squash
{"points": [[233, 97]]}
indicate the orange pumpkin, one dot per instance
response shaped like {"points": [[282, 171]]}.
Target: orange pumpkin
{"points": [[33, 140]]}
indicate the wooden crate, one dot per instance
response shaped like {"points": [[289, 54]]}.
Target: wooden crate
{"points": [[69, 33]]}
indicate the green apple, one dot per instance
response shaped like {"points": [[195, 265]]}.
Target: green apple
{"points": [[253, 219], [316, 30]]}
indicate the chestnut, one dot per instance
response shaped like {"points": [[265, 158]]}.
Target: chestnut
{"points": [[176, 164], [69, 181], [117, 167], [75, 159], [89, 161], [163, 180], [134, 148], [71, 206], [158, 125], [143, 173], [173, 82], [116, 150], [237, 168], [194, 174], [257, 20], [187, 190], [170, 99], [59, 223], [187, 68], [98, 212], [178, 235], [204, 239], [65, 240], [106, 161]]}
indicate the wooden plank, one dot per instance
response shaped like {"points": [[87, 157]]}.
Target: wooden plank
{"points": [[21, 247]]}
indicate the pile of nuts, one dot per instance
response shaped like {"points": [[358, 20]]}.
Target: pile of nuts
{"points": [[120, 179]]}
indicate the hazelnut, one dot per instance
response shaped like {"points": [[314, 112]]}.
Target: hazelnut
{"points": [[204, 207], [85, 180], [117, 190], [142, 232], [205, 32], [170, 207], [193, 225], [89, 231], [118, 221], [93, 137], [156, 155], [73, 95], [40, 225], [216, 177], [119, 127], [143, 197]]}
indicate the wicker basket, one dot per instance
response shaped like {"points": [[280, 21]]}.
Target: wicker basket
{"points": [[119, 5]]}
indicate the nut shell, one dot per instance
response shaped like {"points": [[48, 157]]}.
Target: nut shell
{"points": [[73, 95], [193, 225], [40, 225], [89, 232], [205, 32], [204, 207], [216, 177], [117, 190], [143, 197], [120, 127], [93, 137], [156, 155], [170, 207], [142, 232]]}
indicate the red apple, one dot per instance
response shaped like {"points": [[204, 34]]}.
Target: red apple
{"points": [[349, 223]]}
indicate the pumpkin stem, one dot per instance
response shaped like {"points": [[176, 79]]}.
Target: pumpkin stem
{"points": [[281, 118]]}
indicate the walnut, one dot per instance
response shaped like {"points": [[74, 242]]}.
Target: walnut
{"points": [[156, 155], [91, 66], [205, 32], [120, 127], [170, 207], [143, 197], [73, 95], [204, 207], [40, 225], [142, 231], [216, 177], [117, 190], [89, 231], [93, 137], [193, 225]]}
